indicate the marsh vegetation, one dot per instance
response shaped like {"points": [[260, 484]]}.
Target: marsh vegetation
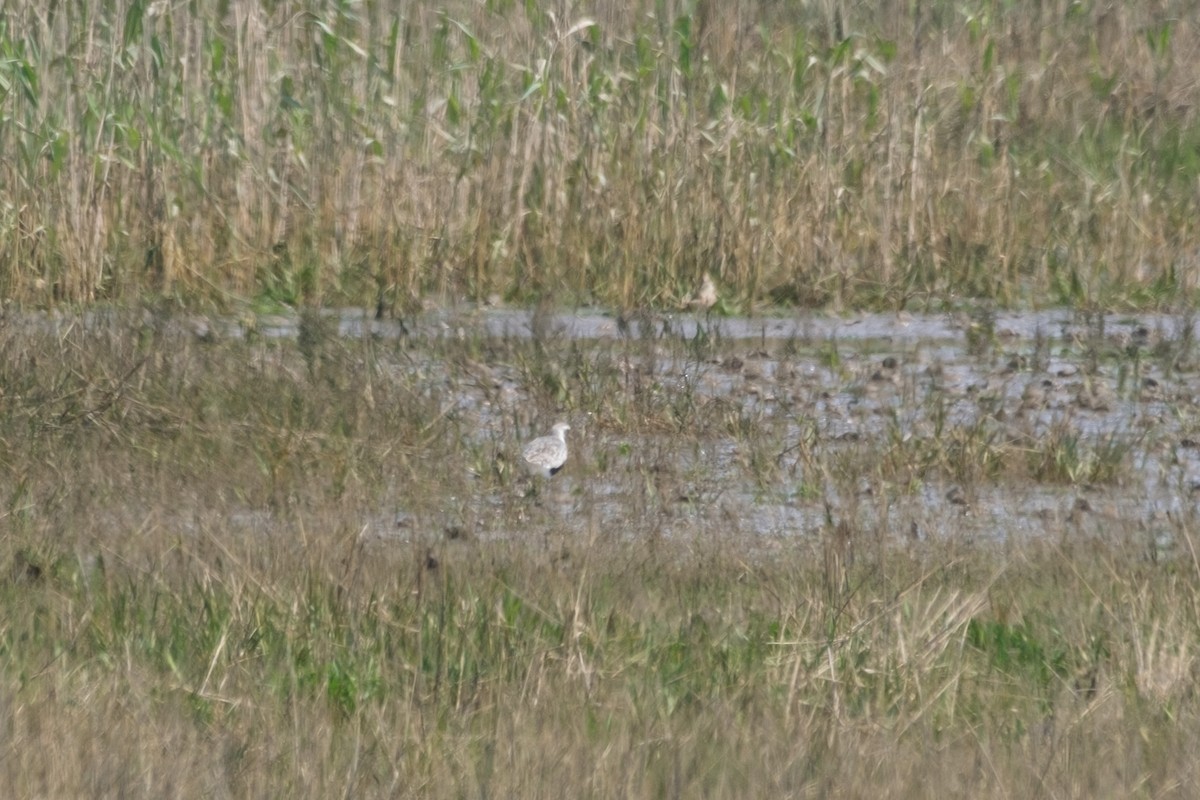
{"points": [[819, 154], [246, 566], [253, 548]]}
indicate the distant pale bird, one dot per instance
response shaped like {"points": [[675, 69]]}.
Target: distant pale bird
{"points": [[545, 455], [706, 296]]}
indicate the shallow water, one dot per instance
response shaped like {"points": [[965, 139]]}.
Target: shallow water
{"points": [[1123, 381], [931, 330], [824, 401]]}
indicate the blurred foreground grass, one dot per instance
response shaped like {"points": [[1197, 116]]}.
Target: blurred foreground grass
{"points": [[207, 667]]}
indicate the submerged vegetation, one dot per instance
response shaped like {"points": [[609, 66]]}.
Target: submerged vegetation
{"points": [[817, 154]]}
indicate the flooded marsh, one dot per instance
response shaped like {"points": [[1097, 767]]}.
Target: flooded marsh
{"points": [[785, 556], [950, 427], [280, 550]]}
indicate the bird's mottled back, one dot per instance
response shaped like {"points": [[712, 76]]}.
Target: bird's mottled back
{"points": [[546, 454]]}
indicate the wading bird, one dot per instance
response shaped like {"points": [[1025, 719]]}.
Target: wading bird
{"points": [[545, 455], [706, 296]]}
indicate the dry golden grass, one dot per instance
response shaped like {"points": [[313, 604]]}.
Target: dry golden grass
{"points": [[826, 154]]}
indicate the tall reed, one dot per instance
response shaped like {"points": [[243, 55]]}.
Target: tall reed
{"points": [[821, 154]]}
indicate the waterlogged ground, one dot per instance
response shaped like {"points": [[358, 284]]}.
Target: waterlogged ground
{"points": [[968, 427], [787, 557]]}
